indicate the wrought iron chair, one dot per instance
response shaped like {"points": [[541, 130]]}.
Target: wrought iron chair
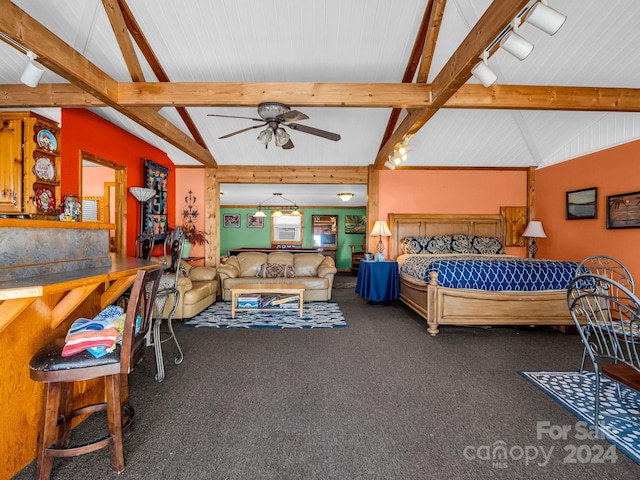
{"points": [[59, 373], [612, 313], [144, 244], [168, 292], [607, 267]]}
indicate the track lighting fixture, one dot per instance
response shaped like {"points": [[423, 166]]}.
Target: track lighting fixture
{"points": [[482, 71], [516, 45], [390, 165], [32, 72], [545, 18]]}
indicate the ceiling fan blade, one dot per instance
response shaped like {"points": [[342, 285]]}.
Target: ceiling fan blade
{"points": [[292, 116], [315, 131], [288, 146], [240, 131], [233, 116]]}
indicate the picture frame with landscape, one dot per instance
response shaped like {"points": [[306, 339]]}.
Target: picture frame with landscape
{"points": [[623, 211], [582, 204]]}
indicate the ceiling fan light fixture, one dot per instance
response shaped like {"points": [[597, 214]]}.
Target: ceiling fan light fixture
{"points": [[545, 18], [282, 137], [265, 136], [345, 197], [483, 73]]}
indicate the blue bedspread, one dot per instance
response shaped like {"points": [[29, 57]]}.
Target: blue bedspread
{"points": [[493, 274]]}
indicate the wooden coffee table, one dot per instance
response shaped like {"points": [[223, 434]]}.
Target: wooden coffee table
{"points": [[262, 288]]}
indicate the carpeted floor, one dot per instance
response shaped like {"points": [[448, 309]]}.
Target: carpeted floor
{"points": [[620, 424], [381, 399]]}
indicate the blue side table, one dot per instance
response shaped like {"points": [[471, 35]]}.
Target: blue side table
{"points": [[378, 281]]}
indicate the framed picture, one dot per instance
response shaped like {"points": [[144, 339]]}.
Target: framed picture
{"points": [[355, 224], [156, 213], [231, 220], [582, 204], [623, 211], [254, 222]]}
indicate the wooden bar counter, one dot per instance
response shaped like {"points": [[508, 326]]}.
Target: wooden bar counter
{"points": [[34, 310]]}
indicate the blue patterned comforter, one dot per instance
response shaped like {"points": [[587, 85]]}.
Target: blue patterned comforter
{"points": [[493, 273]]}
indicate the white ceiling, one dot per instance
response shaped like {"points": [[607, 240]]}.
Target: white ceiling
{"points": [[357, 41]]}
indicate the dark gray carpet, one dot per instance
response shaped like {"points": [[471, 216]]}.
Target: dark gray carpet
{"points": [[378, 400]]}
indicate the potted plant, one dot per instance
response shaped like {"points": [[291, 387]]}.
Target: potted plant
{"points": [[192, 236]]}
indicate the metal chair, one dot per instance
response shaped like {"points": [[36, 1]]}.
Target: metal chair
{"points": [[607, 267], [168, 291], [144, 244], [59, 373], [612, 314]]}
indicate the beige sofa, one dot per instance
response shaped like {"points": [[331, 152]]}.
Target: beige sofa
{"points": [[313, 270], [198, 287]]}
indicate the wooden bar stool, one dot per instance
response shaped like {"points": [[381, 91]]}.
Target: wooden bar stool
{"points": [[60, 373]]}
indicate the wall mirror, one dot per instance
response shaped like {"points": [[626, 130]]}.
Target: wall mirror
{"points": [[325, 231], [287, 229]]}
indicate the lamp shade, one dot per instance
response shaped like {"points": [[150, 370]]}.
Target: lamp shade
{"points": [[380, 229], [516, 45], [545, 18], [534, 229], [142, 194], [345, 197]]}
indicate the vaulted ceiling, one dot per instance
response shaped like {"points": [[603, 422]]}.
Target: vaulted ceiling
{"points": [[372, 71]]}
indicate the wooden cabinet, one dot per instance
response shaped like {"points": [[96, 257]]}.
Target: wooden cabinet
{"points": [[29, 164]]}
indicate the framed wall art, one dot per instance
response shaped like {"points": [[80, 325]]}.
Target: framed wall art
{"points": [[355, 224], [254, 222], [156, 212], [623, 211], [582, 204], [231, 220]]}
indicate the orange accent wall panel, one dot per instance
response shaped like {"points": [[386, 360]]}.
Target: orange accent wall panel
{"points": [[613, 171], [85, 131], [191, 180]]}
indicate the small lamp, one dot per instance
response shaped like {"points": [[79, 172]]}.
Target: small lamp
{"points": [[380, 229], [534, 230]]}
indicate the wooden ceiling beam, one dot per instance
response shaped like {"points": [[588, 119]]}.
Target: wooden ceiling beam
{"points": [[308, 175], [497, 97], [457, 71], [63, 60], [136, 32], [121, 32]]}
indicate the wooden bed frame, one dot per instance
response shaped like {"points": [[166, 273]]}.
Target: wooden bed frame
{"points": [[450, 306]]}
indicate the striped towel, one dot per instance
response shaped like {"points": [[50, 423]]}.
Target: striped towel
{"points": [[98, 335]]}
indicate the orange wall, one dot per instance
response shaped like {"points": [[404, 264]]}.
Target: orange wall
{"points": [[191, 180], [452, 191], [93, 180], [613, 171], [85, 131]]}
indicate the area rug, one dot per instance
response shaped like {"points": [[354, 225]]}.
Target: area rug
{"points": [[344, 284], [575, 392], [314, 315]]}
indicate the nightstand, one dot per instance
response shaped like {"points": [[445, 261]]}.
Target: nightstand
{"points": [[378, 282]]}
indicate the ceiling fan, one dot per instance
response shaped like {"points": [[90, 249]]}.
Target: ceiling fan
{"points": [[275, 116]]}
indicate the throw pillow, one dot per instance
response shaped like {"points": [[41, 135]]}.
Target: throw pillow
{"points": [[273, 270]]}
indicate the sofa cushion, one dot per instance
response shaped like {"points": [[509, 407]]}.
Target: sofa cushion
{"points": [[185, 268], [250, 263], [282, 258], [273, 270], [306, 265]]}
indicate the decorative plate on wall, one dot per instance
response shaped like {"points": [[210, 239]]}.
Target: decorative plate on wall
{"points": [[47, 140], [44, 169], [44, 199]]}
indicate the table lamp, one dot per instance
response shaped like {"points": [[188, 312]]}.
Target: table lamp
{"points": [[534, 230], [380, 229]]}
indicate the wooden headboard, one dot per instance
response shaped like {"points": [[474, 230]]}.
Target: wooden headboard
{"points": [[422, 224]]}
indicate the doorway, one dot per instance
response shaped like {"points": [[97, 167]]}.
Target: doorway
{"points": [[102, 193]]}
